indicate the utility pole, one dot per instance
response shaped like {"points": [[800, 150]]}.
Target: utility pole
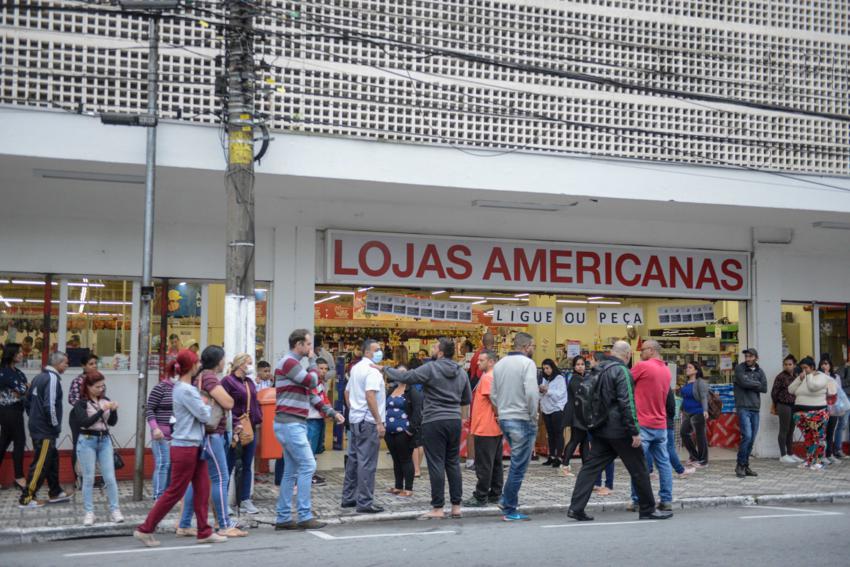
{"points": [[239, 305]]}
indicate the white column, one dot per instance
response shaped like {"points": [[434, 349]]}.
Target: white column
{"points": [[205, 316], [766, 335], [135, 314], [62, 329], [294, 285]]}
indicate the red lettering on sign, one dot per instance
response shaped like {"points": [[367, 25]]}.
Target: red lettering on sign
{"points": [[455, 257], [731, 268], [707, 275], [522, 269], [496, 264], [385, 264], [408, 269], [633, 281], [608, 270], [431, 263], [338, 269], [654, 272], [592, 267], [555, 266], [676, 271]]}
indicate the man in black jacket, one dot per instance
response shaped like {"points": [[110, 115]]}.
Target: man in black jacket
{"points": [[750, 384], [617, 436], [44, 406]]}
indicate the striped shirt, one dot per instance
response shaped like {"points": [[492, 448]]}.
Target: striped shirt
{"points": [[159, 409], [294, 387]]}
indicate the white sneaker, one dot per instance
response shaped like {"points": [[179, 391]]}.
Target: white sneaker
{"points": [[88, 519], [797, 459], [470, 465], [117, 517], [788, 460], [816, 467], [248, 507]]}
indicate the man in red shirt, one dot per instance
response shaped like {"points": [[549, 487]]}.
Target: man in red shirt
{"points": [[488, 436], [652, 383]]}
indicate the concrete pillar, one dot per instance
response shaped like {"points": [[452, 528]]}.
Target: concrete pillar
{"points": [[294, 285], [765, 333]]}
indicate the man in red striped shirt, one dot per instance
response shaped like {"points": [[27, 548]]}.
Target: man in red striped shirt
{"points": [[295, 395]]}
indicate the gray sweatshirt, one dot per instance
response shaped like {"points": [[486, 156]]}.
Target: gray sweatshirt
{"points": [[514, 392], [190, 415], [446, 387]]}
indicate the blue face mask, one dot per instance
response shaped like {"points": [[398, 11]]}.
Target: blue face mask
{"points": [[378, 356]]}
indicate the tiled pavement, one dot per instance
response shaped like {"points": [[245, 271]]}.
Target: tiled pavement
{"points": [[543, 487]]}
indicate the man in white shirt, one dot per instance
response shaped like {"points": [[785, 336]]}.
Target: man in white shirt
{"points": [[367, 412]]}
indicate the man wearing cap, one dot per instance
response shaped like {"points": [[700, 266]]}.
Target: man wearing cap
{"points": [[750, 383]]}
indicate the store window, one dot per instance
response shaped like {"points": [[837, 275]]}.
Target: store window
{"points": [[798, 333], [175, 320], [22, 315], [832, 327], [215, 316], [98, 320]]}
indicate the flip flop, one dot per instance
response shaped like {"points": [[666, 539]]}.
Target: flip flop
{"points": [[425, 517], [457, 516]]}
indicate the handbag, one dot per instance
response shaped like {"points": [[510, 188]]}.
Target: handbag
{"points": [[216, 411], [246, 435], [831, 394], [117, 460], [841, 405]]}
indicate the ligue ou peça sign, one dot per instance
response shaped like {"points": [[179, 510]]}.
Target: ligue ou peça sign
{"points": [[364, 258]]}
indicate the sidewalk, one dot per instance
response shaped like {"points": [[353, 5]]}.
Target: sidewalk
{"points": [[544, 489]]}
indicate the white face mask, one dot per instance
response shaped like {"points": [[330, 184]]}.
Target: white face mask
{"points": [[249, 370]]}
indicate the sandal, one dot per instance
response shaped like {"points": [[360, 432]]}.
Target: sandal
{"points": [[430, 516], [393, 491]]}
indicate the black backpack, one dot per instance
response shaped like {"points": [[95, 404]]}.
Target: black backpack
{"points": [[591, 407]]}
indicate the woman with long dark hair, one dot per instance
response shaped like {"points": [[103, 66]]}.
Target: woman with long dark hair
{"points": [[188, 466], [89, 365], [783, 404], [578, 431], [552, 404], [404, 430], [695, 416], [215, 447], [13, 388], [827, 368], [94, 413]]}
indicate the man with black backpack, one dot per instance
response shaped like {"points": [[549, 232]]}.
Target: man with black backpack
{"points": [[607, 405]]}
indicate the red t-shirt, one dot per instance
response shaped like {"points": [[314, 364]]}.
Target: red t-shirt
{"points": [[483, 422], [652, 382]]}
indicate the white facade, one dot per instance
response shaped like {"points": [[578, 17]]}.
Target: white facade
{"points": [[309, 184]]}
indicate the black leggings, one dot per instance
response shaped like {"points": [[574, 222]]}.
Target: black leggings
{"points": [[12, 431], [578, 438], [555, 433], [786, 428], [401, 450], [830, 435]]}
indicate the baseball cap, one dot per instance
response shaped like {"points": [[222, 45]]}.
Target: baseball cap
{"points": [[752, 351]]}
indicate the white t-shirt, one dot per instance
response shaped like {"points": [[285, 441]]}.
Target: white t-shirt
{"points": [[364, 378]]}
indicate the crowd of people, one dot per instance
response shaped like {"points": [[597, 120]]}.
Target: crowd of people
{"points": [[204, 424]]}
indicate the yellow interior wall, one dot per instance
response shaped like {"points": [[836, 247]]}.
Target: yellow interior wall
{"points": [[215, 326], [800, 333]]}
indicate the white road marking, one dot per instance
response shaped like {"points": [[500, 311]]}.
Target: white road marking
{"points": [[140, 550], [798, 513], [591, 524], [326, 536]]}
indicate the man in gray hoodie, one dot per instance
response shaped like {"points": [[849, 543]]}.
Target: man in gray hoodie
{"points": [[515, 395], [446, 388]]}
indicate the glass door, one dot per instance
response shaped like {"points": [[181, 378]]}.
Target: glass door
{"points": [[832, 332]]}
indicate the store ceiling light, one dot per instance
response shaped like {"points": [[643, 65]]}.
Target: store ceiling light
{"points": [[476, 297], [438, 292], [328, 298], [522, 295], [506, 298], [260, 289], [584, 301], [833, 225], [27, 282], [510, 205], [362, 289], [89, 176], [606, 302], [33, 301], [595, 297], [82, 284], [479, 302], [115, 303], [339, 292], [320, 292]]}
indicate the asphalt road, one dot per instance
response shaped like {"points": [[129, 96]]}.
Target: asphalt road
{"points": [[776, 536]]}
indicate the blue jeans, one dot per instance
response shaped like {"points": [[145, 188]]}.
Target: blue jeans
{"points": [[299, 466], [671, 452], [314, 434], [216, 457], [749, 423], [609, 477], [520, 435], [840, 431], [246, 457], [654, 443], [162, 466], [92, 449]]}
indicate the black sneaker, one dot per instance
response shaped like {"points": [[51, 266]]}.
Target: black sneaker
{"points": [[665, 507], [494, 498], [286, 526], [749, 472], [740, 471], [311, 524], [579, 516], [348, 505], [547, 462], [474, 503], [656, 516], [556, 463], [370, 510], [318, 481]]}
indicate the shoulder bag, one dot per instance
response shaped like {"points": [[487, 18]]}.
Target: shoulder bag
{"points": [[216, 411], [246, 435]]}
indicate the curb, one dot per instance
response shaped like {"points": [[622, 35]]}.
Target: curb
{"points": [[46, 534]]}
